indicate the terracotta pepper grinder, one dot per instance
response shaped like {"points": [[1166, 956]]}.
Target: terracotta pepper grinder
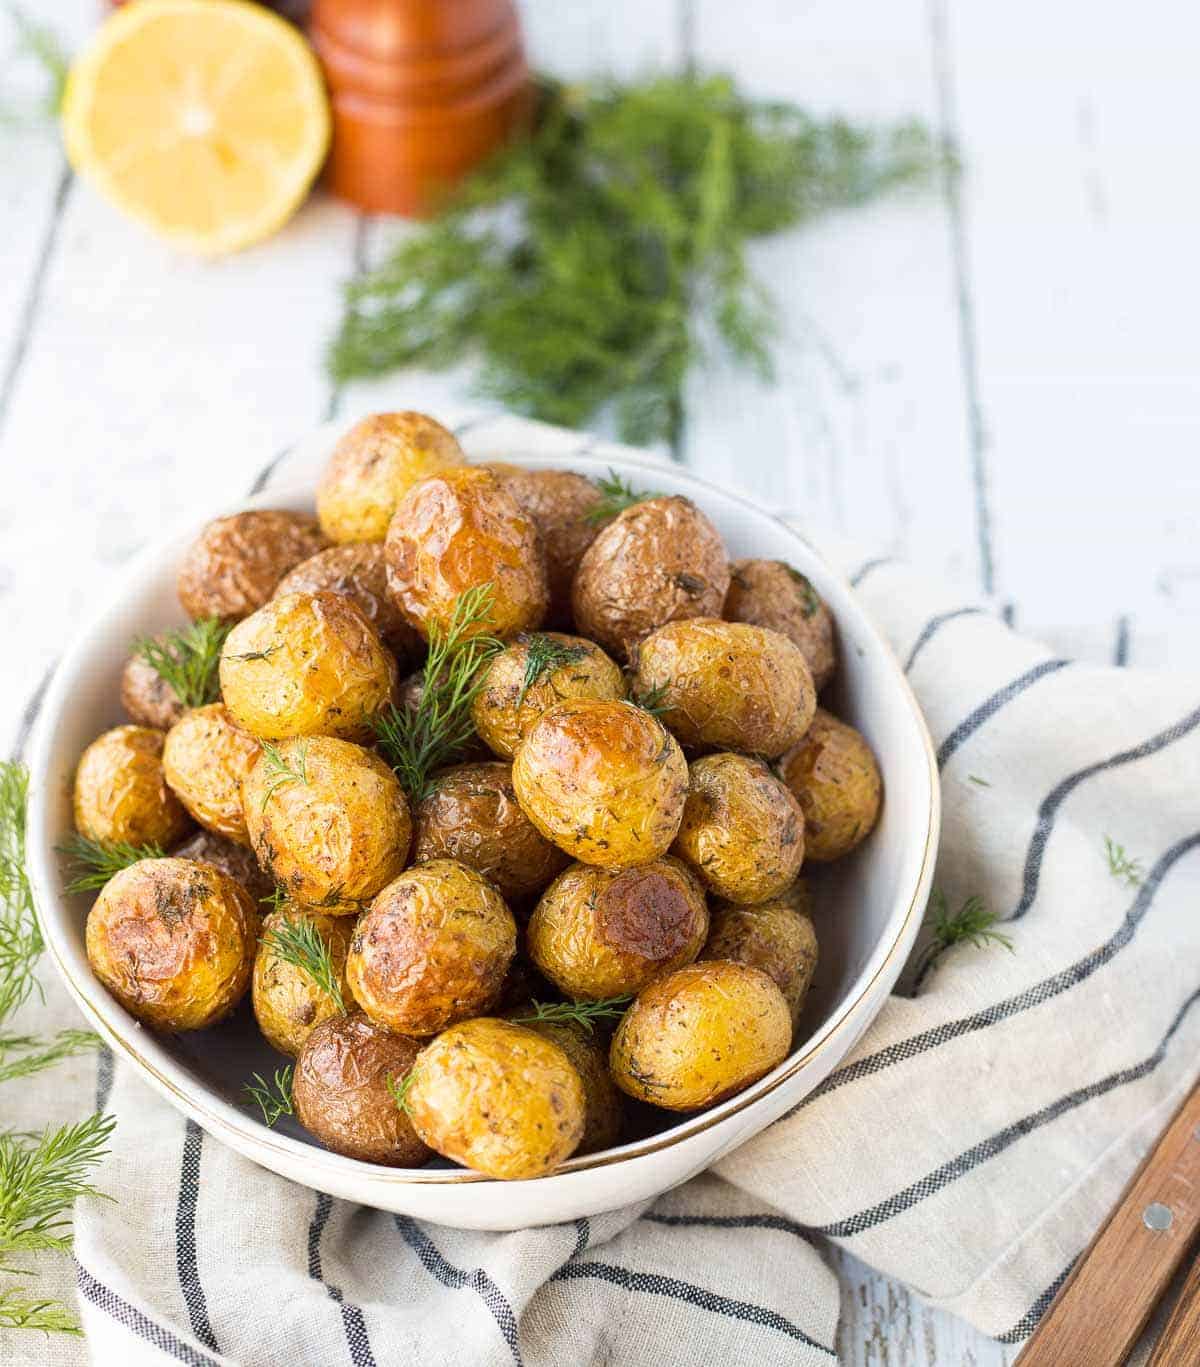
{"points": [[422, 90]]}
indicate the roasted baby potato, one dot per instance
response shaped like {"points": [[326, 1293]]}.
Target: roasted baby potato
{"points": [[835, 778], [602, 779], [727, 686], [342, 1090], [174, 942], [433, 948], [533, 673], [472, 816], [374, 466], [328, 820], [742, 830], [770, 593], [457, 531], [233, 860], [232, 567], [498, 1098], [205, 758], [121, 793], [602, 1115], [148, 699], [605, 932], [307, 664], [288, 1003], [701, 1034], [776, 937], [659, 561]]}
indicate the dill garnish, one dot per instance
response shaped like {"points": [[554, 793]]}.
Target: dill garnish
{"points": [[20, 939], [972, 924], [96, 861], [576, 1013], [1121, 865], [187, 659], [652, 700], [298, 942], [399, 1089], [274, 1098], [543, 656], [618, 494], [23, 1055], [281, 771]]}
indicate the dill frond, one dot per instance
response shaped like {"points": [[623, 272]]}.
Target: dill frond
{"points": [[399, 1089], [21, 941], [188, 659], [17, 1311], [298, 942], [543, 656], [971, 924], [24, 1055], [281, 771], [1121, 865], [274, 1098], [576, 1013], [652, 700], [96, 861], [618, 494]]}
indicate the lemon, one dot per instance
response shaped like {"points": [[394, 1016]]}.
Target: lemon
{"points": [[205, 119]]}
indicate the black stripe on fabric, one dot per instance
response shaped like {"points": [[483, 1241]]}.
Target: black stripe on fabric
{"points": [[30, 715], [732, 1222], [455, 1278], [652, 1284], [868, 568], [354, 1326], [583, 1236], [136, 1322], [933, 626], [185, 1236], [1030, 1319], [990, 706], [105, 1064], [260, 480], [1121, 644]]}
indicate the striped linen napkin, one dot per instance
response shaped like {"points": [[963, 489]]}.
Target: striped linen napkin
{"points": [[969, 1146]]}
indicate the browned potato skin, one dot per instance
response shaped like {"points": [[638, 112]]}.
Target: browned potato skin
{"points": [[604, 932], [174, 942], [604, 780], [121, 793], [205, 758], [742, 830], [660, 561], [702, 1034], [728, 686], [324, 673], [148, 699], [602, 1103], [233, 860], [340, 1090], [504, 710], [433, 948], [457, 531], [498, 1098], [232, 567], [336, 839], [373, 466], [836, 780], [776, 937], [770, 593], [288, 1004], [472, 815]]}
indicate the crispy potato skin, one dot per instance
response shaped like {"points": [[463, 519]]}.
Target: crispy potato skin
{"points": [[287, 1003], [358, 572], [603, 780], [604, 932], [148, 699], [205, 758], [433, 948], [121, 792], [174, 942], [659, 561], [742, 830], [232, 567], [504, 709], [307, 664], [340, 1090], [728, 686], [472, 816], [233, 860], [457, 531], [373, 466], [336, 839], [835, 778], [700, 1035], [498, 1098], [776, 937], [602, 1103], [770, 593]]}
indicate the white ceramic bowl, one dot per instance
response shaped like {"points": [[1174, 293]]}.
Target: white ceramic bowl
{"points": [[869, 907]]}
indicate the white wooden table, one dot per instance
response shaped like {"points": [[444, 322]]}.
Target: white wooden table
{"points": [[999, 379]]}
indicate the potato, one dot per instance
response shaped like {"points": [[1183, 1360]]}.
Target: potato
{"points": [[233, 860], [472, 816], [727, 686], [603, 780], [498, 1098], [121, 793], [148, 699], [374, 466], [342, 1095], [770, 593], [533, 673], [205, 758], [602, 1103], [836, 780], [287, 1002], [658, 561], [604, 932], [458, 531], [700, 1035], [742, 830], [307, 664], [232, 567], [173, 941], [328, 820], [433, 948], [776, 937]]}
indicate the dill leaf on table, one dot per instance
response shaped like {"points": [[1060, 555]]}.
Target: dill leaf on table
{"points": [[21, 941], [188, 659], [96, 861], [1122, 865], [24, 1055], [971, 924]]}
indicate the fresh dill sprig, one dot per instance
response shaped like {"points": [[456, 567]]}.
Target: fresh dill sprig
{"points": [[274, 1098], [543, 655], [96, 861], [618, 494], [21, 941], [652, 700], [1121, 865], [188, 659], [298, 942], [51, 1317], [256, 654], [39, 44], [977, 781], [24, 1055], [812, 600], [399, 1089], [277, 898], [971, 924], [281, 771], [576, 1013]]}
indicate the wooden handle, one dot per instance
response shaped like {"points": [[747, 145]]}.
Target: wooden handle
{"points": [[1179, 1343], [1103, 1306]]}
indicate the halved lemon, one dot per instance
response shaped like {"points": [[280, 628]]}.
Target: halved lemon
{"points": [[205, 119]]}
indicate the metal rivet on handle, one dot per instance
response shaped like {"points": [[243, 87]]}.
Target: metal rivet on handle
{"points": [[1157, 1216]]}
